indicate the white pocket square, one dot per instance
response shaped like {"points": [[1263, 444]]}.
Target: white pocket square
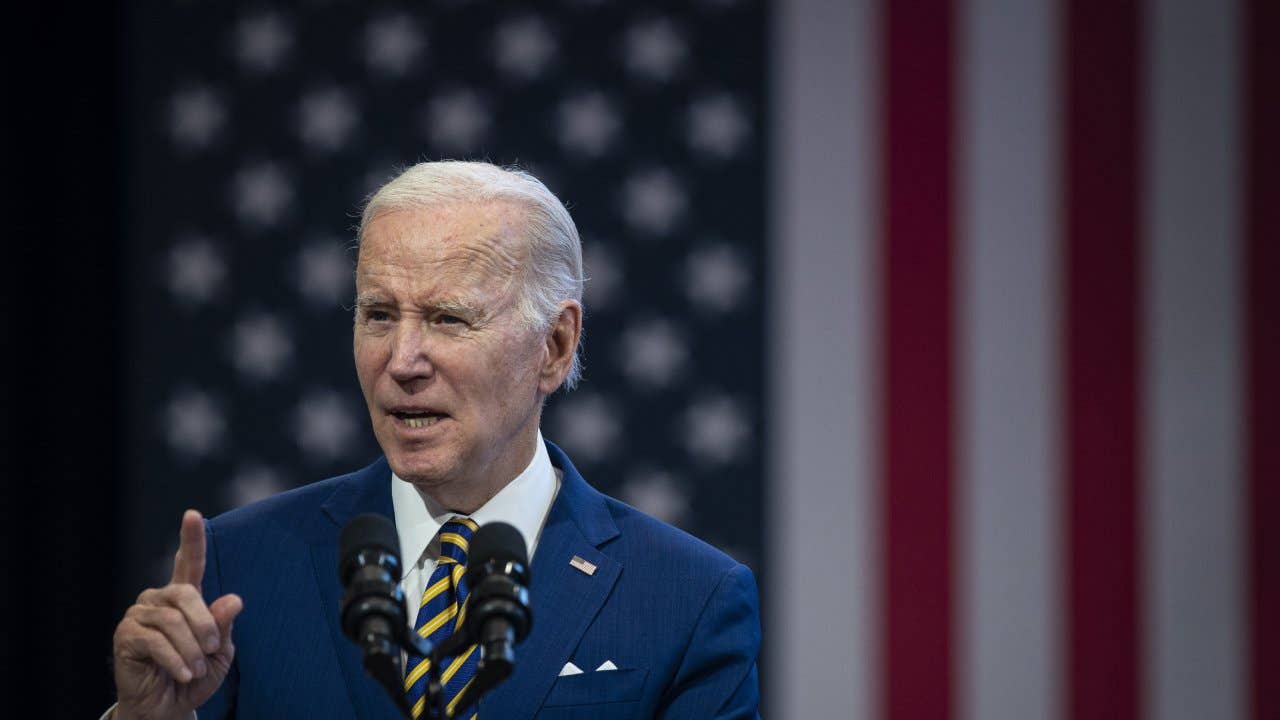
{"points": [[570, 669], [607, 665]]}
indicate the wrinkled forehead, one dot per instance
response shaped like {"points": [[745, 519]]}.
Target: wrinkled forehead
{"points": [[474, 239]]}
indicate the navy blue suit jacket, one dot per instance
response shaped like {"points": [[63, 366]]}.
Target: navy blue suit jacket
{"points": [[678, 618]]}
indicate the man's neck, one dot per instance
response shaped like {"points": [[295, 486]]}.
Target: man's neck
{"points": [[468, 496]]}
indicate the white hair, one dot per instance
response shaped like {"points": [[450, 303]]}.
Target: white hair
{"points": [[554, 272]]}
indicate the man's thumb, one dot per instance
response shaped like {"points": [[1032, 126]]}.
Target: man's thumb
{"points": [[224, 611]]}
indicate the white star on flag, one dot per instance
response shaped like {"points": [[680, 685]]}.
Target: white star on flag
{"points": [[392, 44], [523, 47], [196, 116], [261, 347], [653, 200], [657, 493], [193, 423], [456, 121], [652, 353], [717, 126], [654, 49], [716, 430], [588, 123], [262, 42], [324, 425], [715, 278], [253, 483], [325, 270], [588, 425], [327, 119], [196, 270], [260, 194]]}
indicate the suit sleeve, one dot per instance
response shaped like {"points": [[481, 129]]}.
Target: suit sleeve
{"points": [[717, 676], [221, 705]]}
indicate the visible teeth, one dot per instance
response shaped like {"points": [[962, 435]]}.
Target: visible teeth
{"points": [[420, 422]]}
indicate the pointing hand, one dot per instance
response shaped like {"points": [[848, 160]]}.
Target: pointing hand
{"points": [[171, 650]]}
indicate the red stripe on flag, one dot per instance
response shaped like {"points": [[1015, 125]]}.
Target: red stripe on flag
{"points": [[1262, 262], [1101, 224], [916, 396]]}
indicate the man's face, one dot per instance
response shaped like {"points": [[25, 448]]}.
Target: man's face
{"points": [[450, 374]]}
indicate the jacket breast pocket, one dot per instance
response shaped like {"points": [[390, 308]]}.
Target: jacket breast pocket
{"points": [[597, 688]]}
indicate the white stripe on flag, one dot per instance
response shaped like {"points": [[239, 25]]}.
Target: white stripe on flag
{"points": [[1008, 656], [823, 286], [1194, 654]]}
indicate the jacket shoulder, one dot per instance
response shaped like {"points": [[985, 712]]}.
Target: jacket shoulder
{"points": [[292, 510], [646, 538]]}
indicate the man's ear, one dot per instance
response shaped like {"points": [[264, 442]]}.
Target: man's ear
{"points": [[561, 345]]}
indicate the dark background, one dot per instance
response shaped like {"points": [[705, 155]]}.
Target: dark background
{"points": [[61, 430]]}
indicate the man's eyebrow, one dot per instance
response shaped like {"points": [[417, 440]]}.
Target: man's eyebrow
{"points": [[448, 305], [458, 307]]}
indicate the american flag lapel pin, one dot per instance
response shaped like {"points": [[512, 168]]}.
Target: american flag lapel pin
{"points": [[586, 567]]}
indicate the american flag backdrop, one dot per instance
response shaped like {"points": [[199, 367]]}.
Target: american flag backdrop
{"points": [[1025, 417], [953, 320]]}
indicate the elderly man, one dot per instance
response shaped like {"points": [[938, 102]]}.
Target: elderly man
{"points": [[468, 315]]}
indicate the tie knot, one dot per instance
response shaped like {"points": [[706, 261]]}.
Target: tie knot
{"points": [[455, 537]]}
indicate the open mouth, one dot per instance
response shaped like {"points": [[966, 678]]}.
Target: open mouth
{"points": [[418, 419]]}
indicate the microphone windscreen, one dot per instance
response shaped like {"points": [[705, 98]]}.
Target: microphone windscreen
{"points": [[500, 542], [368, 531]]}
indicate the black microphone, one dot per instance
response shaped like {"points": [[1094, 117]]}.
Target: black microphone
{"points": [[373, 613], [498, 615]]}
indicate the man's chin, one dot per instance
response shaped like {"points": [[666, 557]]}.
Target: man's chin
{"points": [[420, 471]]}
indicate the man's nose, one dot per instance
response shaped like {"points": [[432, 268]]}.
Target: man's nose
{"points": [[410, 358]]}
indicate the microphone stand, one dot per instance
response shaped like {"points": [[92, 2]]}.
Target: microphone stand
{"points": [[386, 634], [373, 616], [434, 708], [456, 643]]}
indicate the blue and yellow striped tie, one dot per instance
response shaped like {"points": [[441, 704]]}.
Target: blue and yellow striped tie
{"points": [[443, 610]]}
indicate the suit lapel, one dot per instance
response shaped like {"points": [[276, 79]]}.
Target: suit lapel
{"points": [[366, 491], [564, 600]]}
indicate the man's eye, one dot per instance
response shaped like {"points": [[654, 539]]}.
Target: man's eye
{"points": [[377, 315], [449, 320]]}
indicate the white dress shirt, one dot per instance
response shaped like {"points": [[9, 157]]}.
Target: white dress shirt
{"points": [[523, 503]]}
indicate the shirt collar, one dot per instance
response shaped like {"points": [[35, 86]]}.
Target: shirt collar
{"points": [[523, 503]]}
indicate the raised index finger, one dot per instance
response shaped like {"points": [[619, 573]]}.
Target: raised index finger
{"points": [[188, 565]]}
